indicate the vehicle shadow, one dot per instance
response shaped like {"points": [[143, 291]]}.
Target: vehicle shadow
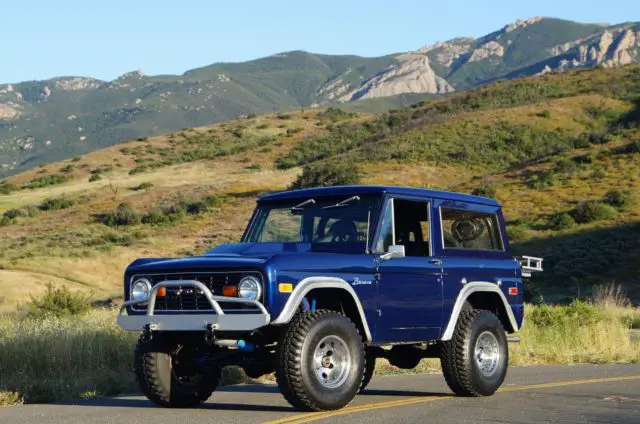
{"points": [[211, 404], [406, 393]]}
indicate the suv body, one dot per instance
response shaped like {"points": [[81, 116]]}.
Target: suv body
{"points": [[403, 265]]}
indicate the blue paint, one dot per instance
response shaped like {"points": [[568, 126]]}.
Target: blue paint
{"points": [[403, 299]]}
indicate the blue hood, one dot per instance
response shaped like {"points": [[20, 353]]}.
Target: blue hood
{"points": [[224, 256]]}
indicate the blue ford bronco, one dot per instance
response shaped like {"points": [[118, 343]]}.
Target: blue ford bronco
{"points": [[323, 282]]}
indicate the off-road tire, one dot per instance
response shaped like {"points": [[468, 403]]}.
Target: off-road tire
{"points": [[369, 367], [153, 369], [457, 356], [294, 369]]}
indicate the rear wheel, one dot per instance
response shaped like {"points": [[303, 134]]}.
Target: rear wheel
{"points": [[320, 361], [474, 362], [174, 375]]}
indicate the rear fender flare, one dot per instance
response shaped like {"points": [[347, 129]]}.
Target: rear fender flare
{"points": [[468, 290]]}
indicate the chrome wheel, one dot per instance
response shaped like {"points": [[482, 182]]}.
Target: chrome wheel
{"points": [[487, 353], [332, 362]]}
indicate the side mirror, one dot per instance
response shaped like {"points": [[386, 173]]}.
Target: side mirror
{"points": [[395, 251]]}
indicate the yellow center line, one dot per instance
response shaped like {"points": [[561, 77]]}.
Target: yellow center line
{"points": [[314, 416]]}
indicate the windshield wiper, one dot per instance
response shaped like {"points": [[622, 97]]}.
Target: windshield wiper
{"points": [[301, 206], [343, 203]]}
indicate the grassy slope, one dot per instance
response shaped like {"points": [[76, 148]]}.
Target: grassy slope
{"points": [[505, 135]]}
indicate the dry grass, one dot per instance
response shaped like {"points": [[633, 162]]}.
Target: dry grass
{"points": [[90, 356]]}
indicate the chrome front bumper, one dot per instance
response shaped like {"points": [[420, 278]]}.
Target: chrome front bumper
{"points": [[214, 319]]}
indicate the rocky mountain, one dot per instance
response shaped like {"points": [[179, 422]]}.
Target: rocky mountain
{"points": [[46, 121]]}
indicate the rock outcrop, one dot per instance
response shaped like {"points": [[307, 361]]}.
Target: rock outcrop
{"points": [[412, 75], [9, 111], [492, 48], [610, 48], [447, 53], [76, 83], [522, 23]]}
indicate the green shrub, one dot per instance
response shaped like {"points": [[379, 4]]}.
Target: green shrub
{"points": [[336, 114], [565, 166], [284, 116], [16, 213], [544, 114], [6, 187], [578, 313], [590, 211], [67, 169], [6, 221], [138, 170], [542, 180], [124, 214], [517, 232], [57, 302], [56, 204], [196, 207], [327, 174], [252, 115], [46, 180], [118, 239], [144, 186], [94, 177], [561, 221], [254, 167], [485, 190], [619, 199], [262, 126]]}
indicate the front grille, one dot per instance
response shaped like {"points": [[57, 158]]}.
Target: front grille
{"points": [[189, 298]]}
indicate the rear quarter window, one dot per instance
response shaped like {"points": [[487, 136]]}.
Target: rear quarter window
{"points": [[470, 230]]}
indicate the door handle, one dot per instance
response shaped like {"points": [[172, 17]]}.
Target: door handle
{"points": [[435, 261]]}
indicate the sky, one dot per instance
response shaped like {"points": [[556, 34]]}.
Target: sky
{"points": [[104, 39]]}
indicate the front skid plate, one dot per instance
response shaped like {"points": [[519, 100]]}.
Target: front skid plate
{"points": [[235, 322]]}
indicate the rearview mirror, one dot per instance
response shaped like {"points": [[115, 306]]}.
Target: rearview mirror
{"points": [[395, 251]]}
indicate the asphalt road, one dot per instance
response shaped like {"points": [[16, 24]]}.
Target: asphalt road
{"points": [[567, 394]]}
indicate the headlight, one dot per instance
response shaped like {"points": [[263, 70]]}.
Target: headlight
{"points": [[250, 288], [140, 290]]}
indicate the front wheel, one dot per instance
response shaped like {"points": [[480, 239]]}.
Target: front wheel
{"points": [[174, 375], [320, 361], [474, 362]]}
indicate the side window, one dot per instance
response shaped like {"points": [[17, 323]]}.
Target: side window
{"points": [[470, 230], [406, 222]]}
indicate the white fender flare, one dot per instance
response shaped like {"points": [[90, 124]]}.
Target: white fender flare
{"points": [[311, 283], [467, 290]]}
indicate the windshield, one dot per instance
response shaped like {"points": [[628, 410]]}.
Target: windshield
{"points": [[334, 223]]}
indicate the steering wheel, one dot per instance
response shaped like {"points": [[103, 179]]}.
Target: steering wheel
{"points": [[343, 232]]}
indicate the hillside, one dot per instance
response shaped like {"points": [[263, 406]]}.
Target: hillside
{"points": [[550, 148], [47, 121]]}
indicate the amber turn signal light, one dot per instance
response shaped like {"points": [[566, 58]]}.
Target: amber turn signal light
{"points": [[230, 291], [162, 292], [285, 287]]}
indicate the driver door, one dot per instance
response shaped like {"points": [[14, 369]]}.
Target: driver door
{"points": [[410, 287]]}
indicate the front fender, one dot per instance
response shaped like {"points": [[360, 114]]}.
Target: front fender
{"points": [[305, 286]]}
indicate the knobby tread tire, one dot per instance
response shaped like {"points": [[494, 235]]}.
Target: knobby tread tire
{"points": [[289, 366], [369, 368], [148, 366], [455, 354]]}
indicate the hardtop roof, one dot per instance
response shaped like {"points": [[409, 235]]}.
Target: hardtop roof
{"points": [[353, 190]]}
